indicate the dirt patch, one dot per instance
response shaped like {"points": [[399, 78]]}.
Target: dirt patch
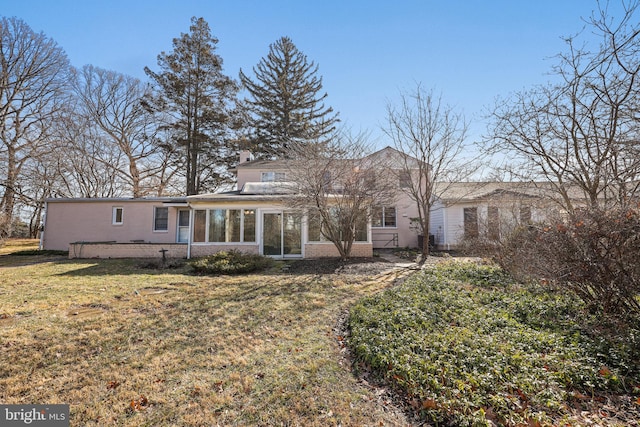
{"points": [[86, 312], [152, 291], [6, 320], [357, 266]]}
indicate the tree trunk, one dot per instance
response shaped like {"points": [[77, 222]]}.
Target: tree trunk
{"points": [[8, 198]]}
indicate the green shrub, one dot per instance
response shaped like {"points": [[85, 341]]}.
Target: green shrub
{"points": [[230, 262], [466, 354]]}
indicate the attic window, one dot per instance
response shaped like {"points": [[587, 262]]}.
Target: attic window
{"points": [[272, 176]]}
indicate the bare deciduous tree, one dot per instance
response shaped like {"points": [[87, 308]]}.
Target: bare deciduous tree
{"points": [[33, 79], [112, 103], [336, 184], [581, 132], [432, 137]]}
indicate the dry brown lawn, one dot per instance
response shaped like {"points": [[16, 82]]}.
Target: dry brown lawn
{"points": [[132, 346]]}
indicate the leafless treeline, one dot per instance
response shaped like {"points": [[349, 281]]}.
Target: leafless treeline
{"points": [[67, 132]]}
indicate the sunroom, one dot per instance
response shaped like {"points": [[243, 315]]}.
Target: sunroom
{"points": [[260, 224]]}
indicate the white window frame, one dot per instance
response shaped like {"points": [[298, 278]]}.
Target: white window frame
{"points": [[242, 240], [155, 212], [272, 176], [114, 215], [323, 238]]}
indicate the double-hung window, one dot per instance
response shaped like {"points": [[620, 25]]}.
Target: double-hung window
{"points": [[404, 179], [160, 219], [383, 216], [316, 226], [272, 176]]}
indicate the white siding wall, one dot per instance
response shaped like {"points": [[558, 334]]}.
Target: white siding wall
{"points": [[454, 220], [437, 224]]}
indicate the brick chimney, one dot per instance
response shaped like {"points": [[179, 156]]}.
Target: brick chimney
{"points": [[245, 156]]}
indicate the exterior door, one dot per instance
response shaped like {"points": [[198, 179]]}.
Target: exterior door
{"points": [[183, 226], [272, 234], [282, 234]]}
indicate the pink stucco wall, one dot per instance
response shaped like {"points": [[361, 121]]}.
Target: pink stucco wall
{"points": [[253, 175], [405, 210], [83, 220]]}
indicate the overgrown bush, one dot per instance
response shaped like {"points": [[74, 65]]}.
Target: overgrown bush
{"points": [[480, 246], [594, 253], [230, 262], [468, 346]]}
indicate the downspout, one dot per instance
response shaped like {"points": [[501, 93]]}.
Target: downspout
{"points": [[444, 227]]}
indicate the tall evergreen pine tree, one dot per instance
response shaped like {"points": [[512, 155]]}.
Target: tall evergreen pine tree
{"points": [[287, 105], [199, 102]]}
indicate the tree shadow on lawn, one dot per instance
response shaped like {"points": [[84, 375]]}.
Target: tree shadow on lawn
{"points": [[125, 266], [136, 266], [12, 260]]}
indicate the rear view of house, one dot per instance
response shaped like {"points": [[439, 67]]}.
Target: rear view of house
{"points": [[255, 218]]}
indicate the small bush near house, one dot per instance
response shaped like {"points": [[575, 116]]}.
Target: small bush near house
{"points": [[231, 262], [467, 346], [480, 246], [594, 253]]}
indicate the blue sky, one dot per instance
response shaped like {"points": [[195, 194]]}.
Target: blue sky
{"points": [[368, 51]]}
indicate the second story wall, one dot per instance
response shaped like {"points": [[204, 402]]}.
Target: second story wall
{"points": [[253, 172]]}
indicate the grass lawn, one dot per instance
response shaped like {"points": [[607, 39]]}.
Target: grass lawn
{"points": [[16, 245], [131, 346]]}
